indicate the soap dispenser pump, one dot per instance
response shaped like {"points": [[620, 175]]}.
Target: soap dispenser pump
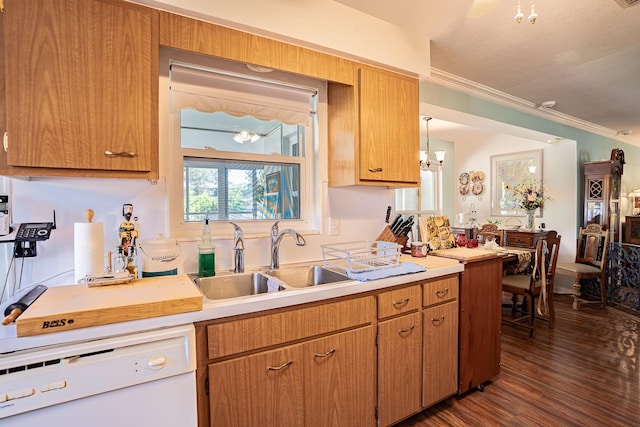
{"points": [[206, 252]]}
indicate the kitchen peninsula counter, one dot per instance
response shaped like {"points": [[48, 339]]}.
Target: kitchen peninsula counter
{"points": [[436, 267]]}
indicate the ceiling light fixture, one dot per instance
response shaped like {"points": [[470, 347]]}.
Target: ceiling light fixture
{"points": [[425, 162], [533, 16], [244, 136]]}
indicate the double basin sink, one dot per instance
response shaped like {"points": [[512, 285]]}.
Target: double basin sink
{"points": [[256, 283]]}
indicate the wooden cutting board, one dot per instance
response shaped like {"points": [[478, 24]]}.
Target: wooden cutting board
{"points": [[431, 262], [63, 308], [465, 254]]}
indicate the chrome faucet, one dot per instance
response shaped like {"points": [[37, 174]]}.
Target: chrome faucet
{"points": [[238, 248], [276, 237]]}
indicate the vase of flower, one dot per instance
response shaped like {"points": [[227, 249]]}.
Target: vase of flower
{"points": [[528, 195], [530, 214]]}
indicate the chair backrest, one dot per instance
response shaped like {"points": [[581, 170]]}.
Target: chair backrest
{"points": [[489, 231], [547, 249], [593, 243]]}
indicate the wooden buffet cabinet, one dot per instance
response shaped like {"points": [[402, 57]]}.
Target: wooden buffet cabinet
{"points": [[333, 362], [523, 238]]}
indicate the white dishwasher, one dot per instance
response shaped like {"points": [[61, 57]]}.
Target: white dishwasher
{"points": [[142, 379]]}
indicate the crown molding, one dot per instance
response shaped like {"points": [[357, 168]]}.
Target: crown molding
{"points": [[461, 84]]}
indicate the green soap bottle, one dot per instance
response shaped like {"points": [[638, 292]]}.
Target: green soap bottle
{"points": [[206, 253]]}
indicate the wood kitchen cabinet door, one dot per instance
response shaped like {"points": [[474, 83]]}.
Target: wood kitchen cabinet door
{"points": [[339, 379], [264, 389], [81, 82], [399, 366], [374, 135], [389, 127], [440, 368]]}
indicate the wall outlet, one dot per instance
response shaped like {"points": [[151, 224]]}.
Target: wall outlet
{"points": [[334, 227]]}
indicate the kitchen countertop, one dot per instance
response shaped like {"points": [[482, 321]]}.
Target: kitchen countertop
{"points": [[436, 267]]}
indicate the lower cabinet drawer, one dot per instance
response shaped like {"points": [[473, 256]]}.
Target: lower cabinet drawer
{"points": [[520, 240], [244, 335], [440, 290], [398, 301]]}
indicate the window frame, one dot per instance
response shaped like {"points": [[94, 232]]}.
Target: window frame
{"points": [[313, 166]]}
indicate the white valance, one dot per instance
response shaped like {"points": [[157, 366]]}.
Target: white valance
{"points": [[212, 91]]}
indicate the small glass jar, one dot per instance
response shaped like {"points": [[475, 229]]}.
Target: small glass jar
{"points": [[418, 249]]}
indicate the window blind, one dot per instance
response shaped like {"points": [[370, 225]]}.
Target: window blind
{"points": [[210, 90]]}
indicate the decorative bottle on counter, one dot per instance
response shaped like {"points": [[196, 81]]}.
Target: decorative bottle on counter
{"points": [[206, 253]]}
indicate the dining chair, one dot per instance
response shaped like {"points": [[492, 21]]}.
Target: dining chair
{"points": [[488, 232], [590, 263], [535, 286]]}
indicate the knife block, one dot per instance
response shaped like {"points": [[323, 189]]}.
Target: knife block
{"points": [[387, 236]]}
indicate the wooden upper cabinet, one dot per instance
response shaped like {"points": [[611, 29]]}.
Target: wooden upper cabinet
{"points": [[389, 127], [374, 135], [81, 82]]}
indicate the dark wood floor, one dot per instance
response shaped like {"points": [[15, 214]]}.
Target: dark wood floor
{"points": [[585, 372]]}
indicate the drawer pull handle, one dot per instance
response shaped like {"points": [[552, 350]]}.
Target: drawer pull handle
{"points": [[277, 368], [375, 169], [406, 331], [328, 353], [400, 303], [442, 292], [120, 154], [437, 320]]}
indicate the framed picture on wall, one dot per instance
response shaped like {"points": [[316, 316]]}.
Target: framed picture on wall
{"points": [[272, 199], [272, 182], [507, 170]]}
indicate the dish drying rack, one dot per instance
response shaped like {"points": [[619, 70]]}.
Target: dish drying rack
{"points": [[361, 256]]}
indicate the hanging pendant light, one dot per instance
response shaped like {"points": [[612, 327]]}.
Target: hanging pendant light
{"points": [[425, 158], [519, 15], [533, 16]]}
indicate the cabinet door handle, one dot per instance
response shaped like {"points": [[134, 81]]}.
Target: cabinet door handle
{"points": [[120, 154], [405, 331], [442, 292], [400, 303], [437, 320], [277, 368], [375, 169], [328, 353]]}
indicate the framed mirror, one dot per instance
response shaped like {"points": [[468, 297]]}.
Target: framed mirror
{"points": [[507, 170]]}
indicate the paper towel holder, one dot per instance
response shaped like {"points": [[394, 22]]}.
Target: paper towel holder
{"points": [[28, 233]]}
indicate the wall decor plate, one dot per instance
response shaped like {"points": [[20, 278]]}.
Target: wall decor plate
{"points": [[464, 189], [477, 177], [477, 188], [464, 178]]}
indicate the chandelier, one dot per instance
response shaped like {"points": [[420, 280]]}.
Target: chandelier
{"points": [[425, 162], [520, 16]]}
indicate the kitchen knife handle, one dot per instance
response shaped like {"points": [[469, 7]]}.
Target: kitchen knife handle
{"points": [[12, 316]]}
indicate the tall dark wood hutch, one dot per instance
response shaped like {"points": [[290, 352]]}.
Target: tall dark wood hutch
{"points": [[602, 195]]}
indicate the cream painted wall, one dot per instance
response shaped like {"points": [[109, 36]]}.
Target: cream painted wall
{"points": [[560, 183]]}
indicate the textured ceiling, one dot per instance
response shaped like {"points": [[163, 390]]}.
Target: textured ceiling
{"points": [[585, 54]]}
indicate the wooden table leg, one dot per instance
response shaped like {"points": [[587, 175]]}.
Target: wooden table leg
{"points": [[576, 294]]}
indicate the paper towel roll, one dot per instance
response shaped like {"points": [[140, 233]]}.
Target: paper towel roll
{"points": [[88, 249]]}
